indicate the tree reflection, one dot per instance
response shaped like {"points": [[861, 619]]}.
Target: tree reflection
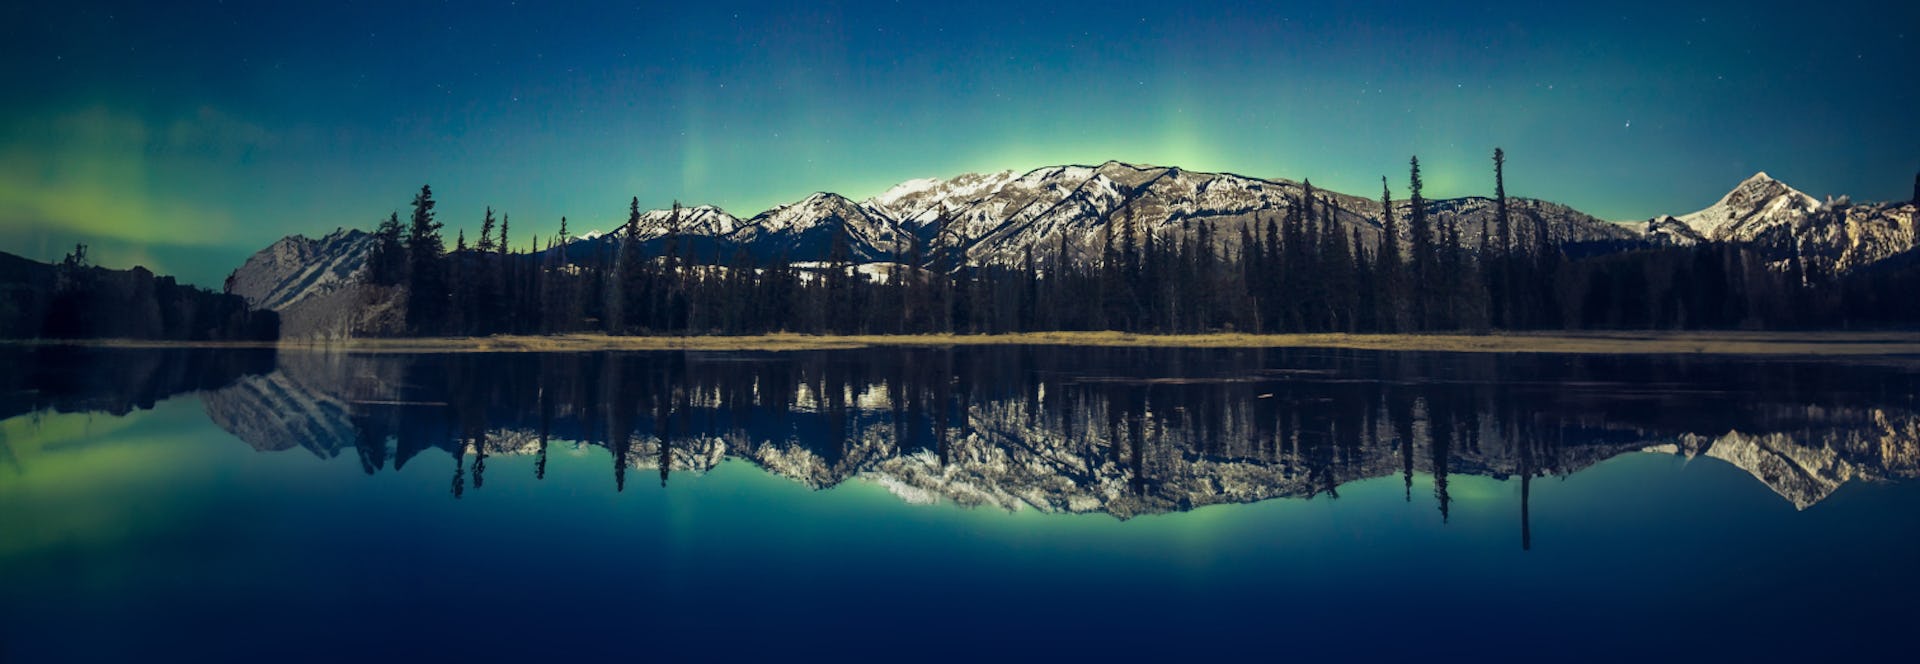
{"points": [[1126, 431]]}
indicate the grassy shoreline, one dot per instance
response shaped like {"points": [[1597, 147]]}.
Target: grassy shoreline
{"points": [[1714, 343]]}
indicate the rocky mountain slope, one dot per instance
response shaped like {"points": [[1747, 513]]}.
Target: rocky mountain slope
{"points": [[297, 268], [317, 286], [1787, 224]]}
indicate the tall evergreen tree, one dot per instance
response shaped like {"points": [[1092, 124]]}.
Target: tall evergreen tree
{"points": [[623, 283], [1499, 269], [486, 232], [1420, 264], [504, 247], [388, 263], [1502, 222], [1389, 280], [426, 279]]}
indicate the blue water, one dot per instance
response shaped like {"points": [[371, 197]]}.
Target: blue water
{"points": [[161, 535]]}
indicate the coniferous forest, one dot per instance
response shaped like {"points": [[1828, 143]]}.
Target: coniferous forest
{"points": [[1294, 271]]}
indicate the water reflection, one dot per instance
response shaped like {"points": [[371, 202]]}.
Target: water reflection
{"points": [[1120, 431]]}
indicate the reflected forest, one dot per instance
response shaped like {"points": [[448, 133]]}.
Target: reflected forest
{"points": [[1090, 430]]}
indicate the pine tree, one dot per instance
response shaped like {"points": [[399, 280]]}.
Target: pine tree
{"points": [[672, 307], [837, 313], [622, 284], [1391, 298], [1336, 266], [388, 263], [486, 232], [504, 247], [1502, 222], [1420, 264], [426, 281], [462, 313], [1499, 269]]}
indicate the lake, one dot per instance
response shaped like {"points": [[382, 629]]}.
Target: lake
{"points": [[955, 504]]}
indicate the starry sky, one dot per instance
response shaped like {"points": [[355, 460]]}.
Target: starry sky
{"points": [[185, 135]]}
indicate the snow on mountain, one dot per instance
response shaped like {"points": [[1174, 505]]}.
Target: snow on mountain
{"points": [[1785, 225], [1077, 203], [703, 220], [917, 203], [317, 286], [806, 229], [1668, 229], [1754, 206], [297, 268]]}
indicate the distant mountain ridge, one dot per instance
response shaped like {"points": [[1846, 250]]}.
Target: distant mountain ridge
{"points": [[983, 219]]}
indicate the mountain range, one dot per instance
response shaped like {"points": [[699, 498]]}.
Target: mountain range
{"points": [[996, 218]]}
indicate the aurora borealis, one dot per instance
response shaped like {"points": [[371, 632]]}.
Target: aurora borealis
{"points": [[185, 135]]}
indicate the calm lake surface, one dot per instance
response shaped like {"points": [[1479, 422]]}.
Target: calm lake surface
{"points": [[952, 504]]}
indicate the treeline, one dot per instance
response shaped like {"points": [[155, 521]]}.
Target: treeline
{"points": [[1297, 270], [76, 300]]}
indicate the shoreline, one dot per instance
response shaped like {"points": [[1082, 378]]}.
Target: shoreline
{"points": [[1622, 342]]}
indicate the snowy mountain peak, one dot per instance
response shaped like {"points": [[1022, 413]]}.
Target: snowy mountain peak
{"points": [[1757, 204], [698, 220], [808, 227], [905, 189], [919, 202]]}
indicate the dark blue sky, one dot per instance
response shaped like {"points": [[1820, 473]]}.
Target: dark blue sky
{"points": [[184, 135]]}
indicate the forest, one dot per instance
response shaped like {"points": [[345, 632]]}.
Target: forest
{"points": [[1293, 271]]}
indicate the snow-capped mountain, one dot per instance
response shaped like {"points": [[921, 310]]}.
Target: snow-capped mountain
{"points": [[805, 230], [994, 219], [1753, 207], [703, 220], [915, 204], [1786, 224]]}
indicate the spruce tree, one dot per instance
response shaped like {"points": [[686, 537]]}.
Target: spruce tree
{"points": [[426, 281], [1391, 299], [1420, 264], [504, 248], [486, 232], [622, 283], [1502, 222], [388, 264], [1499, 270]]}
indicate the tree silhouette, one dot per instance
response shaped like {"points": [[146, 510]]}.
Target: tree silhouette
{"points": [[387, 264], [426, 278]]}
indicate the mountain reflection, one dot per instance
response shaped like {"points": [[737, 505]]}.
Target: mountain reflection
{"points": [[1124, 431]]}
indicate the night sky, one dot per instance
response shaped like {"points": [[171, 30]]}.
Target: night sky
{"points": [[185, 135]]}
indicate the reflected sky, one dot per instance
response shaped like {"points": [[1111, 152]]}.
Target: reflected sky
{"points": [[123, 535]]}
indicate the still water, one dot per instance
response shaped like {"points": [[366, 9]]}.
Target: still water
{"points": [[955, 504]]}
